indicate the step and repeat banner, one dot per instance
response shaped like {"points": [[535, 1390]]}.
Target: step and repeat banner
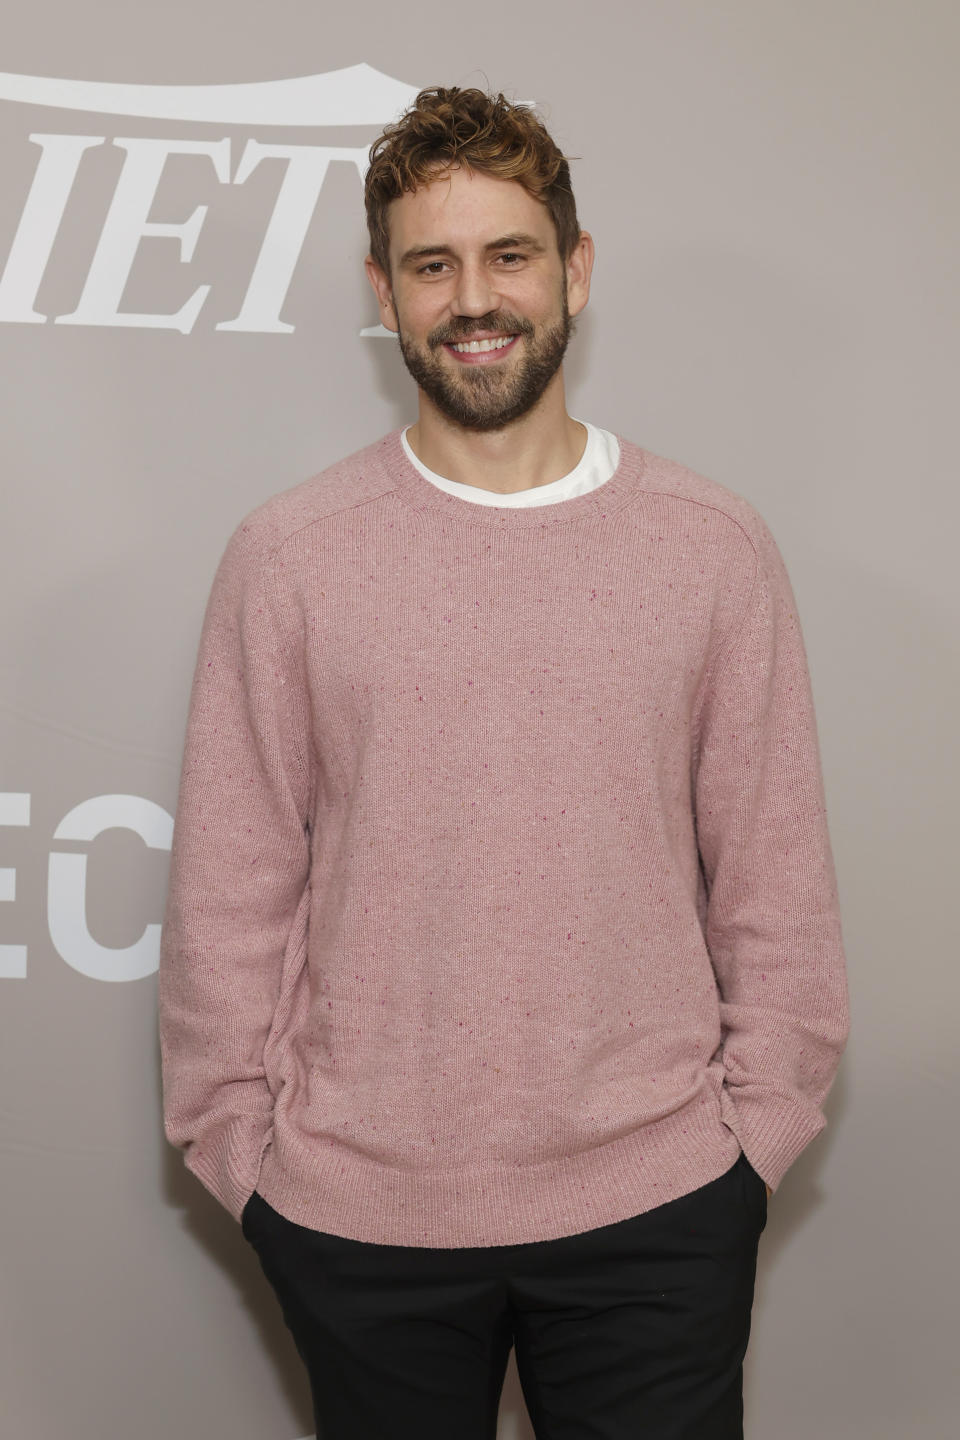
{"points": [[186, 329]]}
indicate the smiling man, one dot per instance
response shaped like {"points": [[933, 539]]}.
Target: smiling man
{"points": [[502, 976], [484, 318]]}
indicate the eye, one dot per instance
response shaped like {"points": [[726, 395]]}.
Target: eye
{"points": [[433, 267], [510, 257]]}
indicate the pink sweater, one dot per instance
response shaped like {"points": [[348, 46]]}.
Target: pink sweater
{"points": [[501, 902]]}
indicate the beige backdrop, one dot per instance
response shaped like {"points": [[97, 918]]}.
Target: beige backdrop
{"points": [[772, 189]]}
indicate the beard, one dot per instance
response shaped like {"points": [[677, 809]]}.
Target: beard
{"points": [[489, 397]]}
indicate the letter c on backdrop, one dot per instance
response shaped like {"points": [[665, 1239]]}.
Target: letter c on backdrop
{"points": [[67, 887]]}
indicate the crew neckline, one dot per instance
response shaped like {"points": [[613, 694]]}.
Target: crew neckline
{"points": [[421, 494], [597, 463]]}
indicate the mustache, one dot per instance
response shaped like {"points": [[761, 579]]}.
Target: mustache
{"points": [[465, 326]]}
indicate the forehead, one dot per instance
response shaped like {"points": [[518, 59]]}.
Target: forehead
{"points": [[466, 208]]}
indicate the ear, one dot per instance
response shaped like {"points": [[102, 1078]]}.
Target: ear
{"points": [[384, 292], [579, 270]]}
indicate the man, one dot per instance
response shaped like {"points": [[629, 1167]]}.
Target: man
{"points": [[502, 976]]}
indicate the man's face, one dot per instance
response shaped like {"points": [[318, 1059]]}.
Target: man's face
{"points": [[474, 264]]}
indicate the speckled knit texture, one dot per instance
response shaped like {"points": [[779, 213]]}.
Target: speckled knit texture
{"points": [[501, 902]]}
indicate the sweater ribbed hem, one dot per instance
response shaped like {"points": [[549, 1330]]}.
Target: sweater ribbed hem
{"points": [[361, 1200]]}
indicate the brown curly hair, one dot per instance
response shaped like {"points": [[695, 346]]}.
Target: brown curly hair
{"points": [[446, 127]]}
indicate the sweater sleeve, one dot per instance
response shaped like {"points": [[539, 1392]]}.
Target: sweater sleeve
{"points": [[772, 917], [238, 892]]}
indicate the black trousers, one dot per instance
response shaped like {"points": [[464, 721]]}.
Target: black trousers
{"points": [[633, 1331]]}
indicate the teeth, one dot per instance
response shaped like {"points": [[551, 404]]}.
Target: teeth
{"points": [[474, 347]]}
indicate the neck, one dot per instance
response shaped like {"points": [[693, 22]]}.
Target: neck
{"points": [[543, 445]]}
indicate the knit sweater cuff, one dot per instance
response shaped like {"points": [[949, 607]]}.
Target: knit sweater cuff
{"points": [[227, 1160], [772, 1130]]}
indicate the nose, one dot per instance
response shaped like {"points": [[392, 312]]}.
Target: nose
{"points": [[475, 295]]}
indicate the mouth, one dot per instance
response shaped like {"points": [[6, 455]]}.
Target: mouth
{"points": [[481, 350]]}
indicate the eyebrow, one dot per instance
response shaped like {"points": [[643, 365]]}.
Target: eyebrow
{"points": [[505, 242]]}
